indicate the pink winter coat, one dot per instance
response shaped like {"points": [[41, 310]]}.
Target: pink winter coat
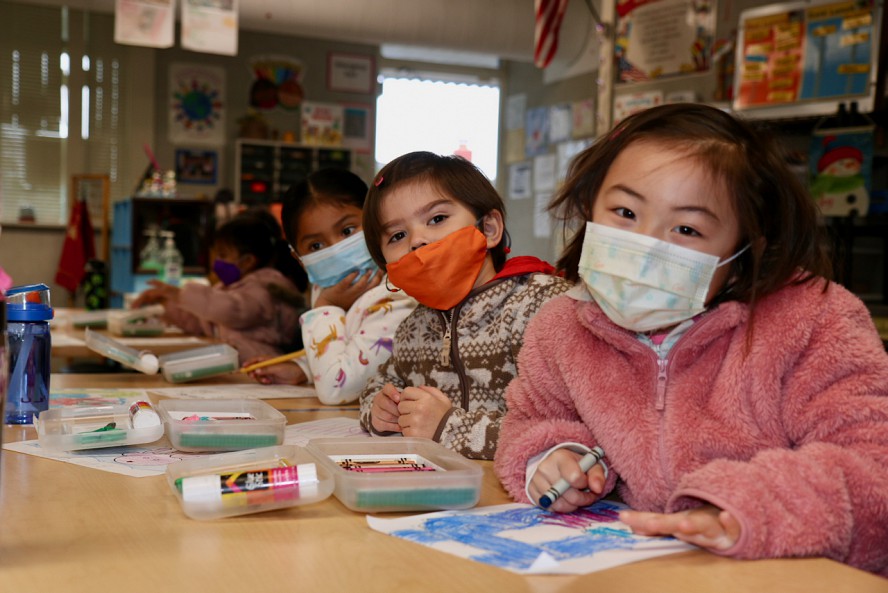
{"points": [[790, 437], [244, 314]]}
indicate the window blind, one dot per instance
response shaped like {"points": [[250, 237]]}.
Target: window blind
{"points": [[61, 83]]}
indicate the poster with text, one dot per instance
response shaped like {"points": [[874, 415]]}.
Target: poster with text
{"points": [[144, 23], [210, 26], [322, 124], [663, 37], [795, 52]]}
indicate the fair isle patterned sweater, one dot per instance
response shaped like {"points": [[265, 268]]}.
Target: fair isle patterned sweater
{"points": [[470, 353]]}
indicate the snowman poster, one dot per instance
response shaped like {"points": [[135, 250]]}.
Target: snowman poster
{"points": [[840, 163]]}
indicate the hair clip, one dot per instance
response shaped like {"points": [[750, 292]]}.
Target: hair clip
{"points": [[378, 181]]}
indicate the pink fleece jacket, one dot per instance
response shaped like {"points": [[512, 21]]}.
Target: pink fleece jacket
{"points": [[790, 436], [244, 315]]}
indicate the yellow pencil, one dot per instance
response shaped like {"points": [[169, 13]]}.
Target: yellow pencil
{"points": [[271, 361]]}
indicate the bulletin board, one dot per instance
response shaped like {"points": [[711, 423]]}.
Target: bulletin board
{"points": [[808, 57]]}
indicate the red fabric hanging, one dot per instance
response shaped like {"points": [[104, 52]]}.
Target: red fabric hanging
{"points": [[79, 247]]}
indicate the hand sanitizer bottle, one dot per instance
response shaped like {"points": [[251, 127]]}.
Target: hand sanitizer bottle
{"points": [[172, 260], [149, 257]]}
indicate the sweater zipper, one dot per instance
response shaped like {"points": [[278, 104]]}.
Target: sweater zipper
{"points": [[444, 356], [662, 376], [660, 403], [450, 352]]}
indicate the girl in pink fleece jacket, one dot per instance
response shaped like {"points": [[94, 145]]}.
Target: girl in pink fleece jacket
{"points": [[740, 398]]}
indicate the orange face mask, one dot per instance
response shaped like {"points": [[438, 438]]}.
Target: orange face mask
{"points": [[439, 275]]}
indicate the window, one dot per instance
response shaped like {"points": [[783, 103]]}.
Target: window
{"points": [[423, 113], [60, 108]]}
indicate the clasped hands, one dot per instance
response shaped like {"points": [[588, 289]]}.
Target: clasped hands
{"points": [[413, 411], [706, 526]]}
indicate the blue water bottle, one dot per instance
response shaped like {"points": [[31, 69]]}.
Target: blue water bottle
{"points": [[28, 312]]}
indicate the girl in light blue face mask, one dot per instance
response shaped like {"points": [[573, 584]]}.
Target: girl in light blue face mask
{"points": [[349, 329], [703, 365]]}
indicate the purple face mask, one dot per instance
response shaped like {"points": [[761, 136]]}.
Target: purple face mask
{"points": [[227, 272]]}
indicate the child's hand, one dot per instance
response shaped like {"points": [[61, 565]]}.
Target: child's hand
{"points": [[421, 411], [348, 290], [564, 463], [285, 373], [160, 292], [707, 526], [384, 410]]}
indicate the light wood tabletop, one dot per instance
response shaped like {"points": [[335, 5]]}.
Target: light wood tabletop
{"points": [[68, 339], [69, 528]]}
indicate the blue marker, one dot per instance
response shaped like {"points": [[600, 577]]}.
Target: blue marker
{"points": [[562, 485]]}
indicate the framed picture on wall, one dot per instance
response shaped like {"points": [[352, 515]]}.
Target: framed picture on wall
{"points": [[350, 73], [199, 167], [357, 127]]}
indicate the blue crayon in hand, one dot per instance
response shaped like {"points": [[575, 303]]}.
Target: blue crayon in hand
{"points": [[562, 485]]}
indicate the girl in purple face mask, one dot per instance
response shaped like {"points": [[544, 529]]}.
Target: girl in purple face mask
{"points": [[255, 304]]}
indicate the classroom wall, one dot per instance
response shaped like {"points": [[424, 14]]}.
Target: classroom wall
{"points": [[527, 79], [30, 253], [312, 53]]}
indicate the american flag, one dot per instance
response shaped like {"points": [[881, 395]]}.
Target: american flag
{"points": [[548, 20]]}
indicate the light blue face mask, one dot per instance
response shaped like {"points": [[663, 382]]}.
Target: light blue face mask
{"points": [[331, 264]]}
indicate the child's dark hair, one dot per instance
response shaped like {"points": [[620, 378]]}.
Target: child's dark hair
{"points": [[331, 186], [454, 176], [258, 233], [776, 216]]}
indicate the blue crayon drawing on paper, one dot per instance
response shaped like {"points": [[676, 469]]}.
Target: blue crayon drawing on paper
{"points": [[527, 539]]}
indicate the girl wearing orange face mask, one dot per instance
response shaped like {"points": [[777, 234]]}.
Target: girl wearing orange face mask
{"points": [[437, 225]]}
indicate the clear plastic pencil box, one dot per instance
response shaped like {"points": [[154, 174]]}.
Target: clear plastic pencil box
{"points": [[199, 363], [252, 481], [179, 367], [94, 319], [140, 360], [75, 428], [136, 322], [398, 474], [198, 426]]}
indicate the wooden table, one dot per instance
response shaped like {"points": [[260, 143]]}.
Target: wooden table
{"points": [[70, 528], [68, 341]]}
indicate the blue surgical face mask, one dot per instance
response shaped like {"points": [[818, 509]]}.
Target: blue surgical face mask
{"points": [[642, 283], [227, 272], [331, 264]]}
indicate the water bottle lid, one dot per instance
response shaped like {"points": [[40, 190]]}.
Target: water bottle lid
{"points": [[28, 303]]}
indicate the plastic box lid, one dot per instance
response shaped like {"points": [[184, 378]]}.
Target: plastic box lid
{"points": [[75, 428], [95, 319], [398, 474], [137, 322], [199, 363], [252, 481], [221, 425], [143, 361]]}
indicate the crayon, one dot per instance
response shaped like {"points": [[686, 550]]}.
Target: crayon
{"points": [[562, 486], [389, 469]]}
